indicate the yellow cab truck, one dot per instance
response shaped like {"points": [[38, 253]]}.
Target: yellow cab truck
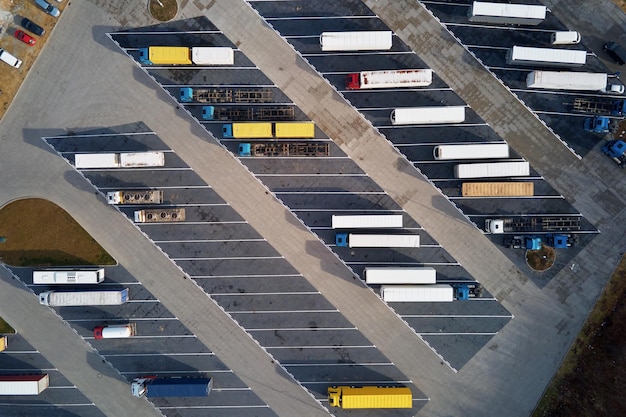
{"points": [[370, 397]]}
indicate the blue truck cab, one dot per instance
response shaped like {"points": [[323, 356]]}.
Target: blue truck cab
{"points": [[341, 240], [244, 149], [598, 124], [144, 56], [186, 94], [208, 112]]}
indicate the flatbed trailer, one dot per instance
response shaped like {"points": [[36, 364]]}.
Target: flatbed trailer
{"points": [[225, 95], [532, 224], [248, 113], [284, 149], [600, 106]]}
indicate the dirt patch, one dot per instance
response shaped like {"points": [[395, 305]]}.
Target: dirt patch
{"points": [[163, 10], [542, 259], [11, 13], [590, 382], [37, 232]]}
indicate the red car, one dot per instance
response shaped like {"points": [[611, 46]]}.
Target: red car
{"points": [[24, 37]]}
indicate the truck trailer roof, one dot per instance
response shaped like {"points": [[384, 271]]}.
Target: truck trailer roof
{"points": [[372, 221], [567, 80], [356, 41], [494, 169], [428, 115], [523, 14], [524, 55], [471, 151]]}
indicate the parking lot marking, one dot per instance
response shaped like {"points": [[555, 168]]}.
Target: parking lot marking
{"points": [[301, 365], [78, 135], [234, 294], [228, 258], [301, 329], [282, 311], [301, 347], [114, 355], [210, 407], [53, 405], [469, 316]]}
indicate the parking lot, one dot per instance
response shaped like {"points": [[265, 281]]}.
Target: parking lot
{"points": [[489, 44], [266, 296]]}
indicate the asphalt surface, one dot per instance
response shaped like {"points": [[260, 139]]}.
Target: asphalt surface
{"points": [[91, 88]]}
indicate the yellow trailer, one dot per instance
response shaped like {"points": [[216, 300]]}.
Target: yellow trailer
{"points": [[497, 189], [169, 55], [370, 397], [3, 343], [295, 130], [248, 130]]}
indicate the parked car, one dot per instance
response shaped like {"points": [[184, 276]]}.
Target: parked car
{"points": [[616, 51], [48, 8], [32, 26], [9, 59], [24, 37]]}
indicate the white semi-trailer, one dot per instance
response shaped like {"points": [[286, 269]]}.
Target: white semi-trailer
{"points": [[471, 151], [23, 384], [549, 57], [504, 13], [490, 170], [78, 276], [381, 221], [567, 80], [83, 298], [417, 293], [399, 275], [366, 80], [356, 41], [428, 115], [353, 240], [119, 160]]}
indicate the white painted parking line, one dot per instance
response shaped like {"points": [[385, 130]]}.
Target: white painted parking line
{"points": [[208, 240], [143, 301], [212, 407], [310, 174], [304, 365], [321, 347], [282, 312], [331, 192], [459, 334], [188, 223], [254, 294], [194, 371], [51, 405], [177, 187], [115, 355], [248, 276], [446, 316], [18, 352], [78, 135], [296, 329], [199, 32], [373, 382], [227, 258], [221, 86], [122, 320]]}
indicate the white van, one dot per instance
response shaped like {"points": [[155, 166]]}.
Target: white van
{"points": [[565, 38], [9, 59]]}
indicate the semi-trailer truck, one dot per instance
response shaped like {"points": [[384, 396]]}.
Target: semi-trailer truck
{"points": [[567, 80], [115, 332], [504, 13], [225, 95], [427, 115], [549, 57], [497, 189], [278, 130], [183, 55], [83, 298], [429, 293], [160, 215], [370, 397], [23, 384], [471, 151], [277, 149], [352, 240], [532, 224], [371, 221], [119, 160], [366, 80], [135, 197], [400, 275], [356, 41], [78, 276], [494, 169], [171, 387], [247, 113]]}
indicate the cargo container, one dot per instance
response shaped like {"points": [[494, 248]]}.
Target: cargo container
{"points": [[398, 275], [504, 13], [135, 197], [352, 240], [427, 115], [366, 80], [115, 332], [471, 151], [356, 41], [549, 57], [497, 189], [370, 397], [119, 160], [83, 298], [183, 55], [567, 80], [494, 169], [78, 276], [23, 384], [294, 130], [374, 221], [171, 387], [3, 343]]}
